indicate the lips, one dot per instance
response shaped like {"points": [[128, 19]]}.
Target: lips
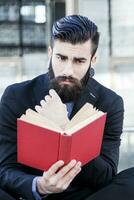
{"points": [[65, 82]]}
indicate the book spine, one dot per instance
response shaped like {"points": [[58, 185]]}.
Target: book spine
{"points": [[65, 144]]}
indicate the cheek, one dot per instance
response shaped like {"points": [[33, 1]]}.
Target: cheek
{"points": [[80, 72], [56, 67]]}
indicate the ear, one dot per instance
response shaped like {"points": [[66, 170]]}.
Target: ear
{"points": [[50, 51], [93, 61]]}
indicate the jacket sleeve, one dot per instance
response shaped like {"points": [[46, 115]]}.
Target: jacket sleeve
{"points": [[100, 171], [13, 176]]}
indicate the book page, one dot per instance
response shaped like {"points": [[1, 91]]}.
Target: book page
{"points": [[84, 116], [83, 123], [35, 118], [85, 112]]}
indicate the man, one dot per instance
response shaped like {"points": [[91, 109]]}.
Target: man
{"points": [[66, 88]]}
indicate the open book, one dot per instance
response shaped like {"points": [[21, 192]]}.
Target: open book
{"points": [[41, 142]]}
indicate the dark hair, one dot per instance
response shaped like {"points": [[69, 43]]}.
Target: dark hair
{"points": [[75, 29]]}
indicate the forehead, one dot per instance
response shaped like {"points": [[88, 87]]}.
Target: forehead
{"points": [[72, 50]]}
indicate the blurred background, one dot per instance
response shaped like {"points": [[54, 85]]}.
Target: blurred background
{"points": [[25, 27]]}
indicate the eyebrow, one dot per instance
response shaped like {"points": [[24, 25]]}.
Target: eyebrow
{"points": [[75, 58], [58, 54]]}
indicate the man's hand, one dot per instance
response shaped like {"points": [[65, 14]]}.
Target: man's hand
{"points": [[53, 108], [56, 182]]}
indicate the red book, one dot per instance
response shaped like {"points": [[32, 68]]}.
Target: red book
{"points": [[41, 142]]}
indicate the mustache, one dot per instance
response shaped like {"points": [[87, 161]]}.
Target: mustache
{"points": [[67, 78]]}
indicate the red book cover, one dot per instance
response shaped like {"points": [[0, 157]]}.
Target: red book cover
{"points": [[40, 147]]}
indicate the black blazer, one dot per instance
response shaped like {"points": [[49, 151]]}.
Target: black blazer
{"points": [[16, 178], [5, 196]]}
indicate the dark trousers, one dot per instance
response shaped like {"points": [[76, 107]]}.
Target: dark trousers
{"points": [[5, 196], [121, 188]]}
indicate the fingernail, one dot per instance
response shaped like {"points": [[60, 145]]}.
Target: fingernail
{"points": [[61, 161], [79, 163], [73, 161]]}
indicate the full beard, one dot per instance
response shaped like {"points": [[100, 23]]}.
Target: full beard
{"points": [[67, 87]]}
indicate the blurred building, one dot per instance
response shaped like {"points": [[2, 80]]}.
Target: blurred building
{"points": [[25, 29]]}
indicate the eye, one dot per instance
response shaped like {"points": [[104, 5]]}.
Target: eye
{"points": [[62, 58], [79, 61]]}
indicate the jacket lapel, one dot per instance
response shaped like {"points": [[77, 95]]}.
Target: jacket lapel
{"points": [[89, 94], [41, 89]]}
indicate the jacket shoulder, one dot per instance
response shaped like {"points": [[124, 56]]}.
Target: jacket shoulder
{"points": [[25, 94], [107, 98], [26, 88]]}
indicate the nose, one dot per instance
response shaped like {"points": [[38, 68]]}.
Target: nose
{"points": [[68, 69]]}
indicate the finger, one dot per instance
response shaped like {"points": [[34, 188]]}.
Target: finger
{"points": [[71, 175], [43, 103], [54, 94], [38, 108], [53, 169], [28, 111], [66, 169], [48, 98], [67, 182]]}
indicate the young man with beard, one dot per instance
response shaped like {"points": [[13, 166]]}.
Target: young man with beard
{"points": [[59, 94]]}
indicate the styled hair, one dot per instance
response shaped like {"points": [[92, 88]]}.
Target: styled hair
{"points": [[75, 29]]}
